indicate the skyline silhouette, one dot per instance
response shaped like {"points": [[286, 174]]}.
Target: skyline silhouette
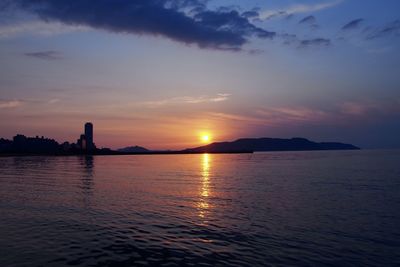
{"points": [[85, 145]]}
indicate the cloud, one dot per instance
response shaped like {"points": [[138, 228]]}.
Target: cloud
{"points": [[297, 9], [239, 118], [231, 19], [366, 107], [45, 55], [312, 8], [292, 39], [185, 100], [37, 27], [274, 116], [185, 21], [315, 42], [352, 24], [310, 21], [255, 51], [31, 102], [289, 39], [353, 108], [219, 98], [334, 114], [10, 104], [391, 29], [251, 14], [284, 114], [54, 101]]}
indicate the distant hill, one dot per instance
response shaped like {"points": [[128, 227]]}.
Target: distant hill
{"points": [[133, 149], [270, 144]]}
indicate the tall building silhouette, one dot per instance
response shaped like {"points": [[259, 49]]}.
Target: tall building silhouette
{"points": [[82, 143], [85, 142], [89, 136]]}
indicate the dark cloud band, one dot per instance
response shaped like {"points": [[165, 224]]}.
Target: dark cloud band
{"points": [[185, 21]]}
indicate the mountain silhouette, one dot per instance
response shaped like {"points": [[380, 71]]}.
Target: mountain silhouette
{"points": [[270, 144]]}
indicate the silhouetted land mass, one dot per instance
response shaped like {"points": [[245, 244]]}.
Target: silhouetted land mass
{"points": [[271, 144], [133, 149], [22, 145]]}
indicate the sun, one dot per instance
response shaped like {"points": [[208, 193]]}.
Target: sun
{"points": [[205, 138]]}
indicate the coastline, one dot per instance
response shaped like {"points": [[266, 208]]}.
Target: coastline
{"points": [[116, 153]]}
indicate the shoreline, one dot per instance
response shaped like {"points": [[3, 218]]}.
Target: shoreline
{"points": [[123, 153]]}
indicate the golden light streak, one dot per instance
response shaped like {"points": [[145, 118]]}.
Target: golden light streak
{"points": [[205, 185]]}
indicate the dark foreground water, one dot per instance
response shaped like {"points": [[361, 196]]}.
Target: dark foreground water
{"points": [[280, 209]]}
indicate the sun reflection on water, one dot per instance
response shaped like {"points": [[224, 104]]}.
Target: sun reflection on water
{"points": [[205, 185]]}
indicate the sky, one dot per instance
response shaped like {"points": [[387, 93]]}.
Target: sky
{"points": [[162, 73]]}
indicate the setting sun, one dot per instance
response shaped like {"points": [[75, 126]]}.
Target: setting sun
{"points": [[205, 138]]}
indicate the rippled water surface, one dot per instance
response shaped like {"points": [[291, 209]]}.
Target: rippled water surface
{"points": [[284, 209]]}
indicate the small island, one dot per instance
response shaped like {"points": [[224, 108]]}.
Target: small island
{"points": [[271, 144]]}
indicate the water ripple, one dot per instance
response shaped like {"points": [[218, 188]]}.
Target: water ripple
{"points": [[278, 209]]}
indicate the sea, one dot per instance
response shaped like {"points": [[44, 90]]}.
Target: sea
{"points": [[320, 208]]}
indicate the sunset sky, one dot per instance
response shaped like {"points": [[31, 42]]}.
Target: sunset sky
{"points": [[163, 73]]}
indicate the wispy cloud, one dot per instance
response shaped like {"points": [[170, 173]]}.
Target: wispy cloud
{"points": [[337, 113], [352, 24], [4, 104], [54, 101], [391, 29], [310, 21], [273, 116], [31, 102], [185, 100], [45, 55], [239, 118], [315, 42], [298, 9], [285, 114], [295, 41], [363, 108], [354, 108], [37, 28]]}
